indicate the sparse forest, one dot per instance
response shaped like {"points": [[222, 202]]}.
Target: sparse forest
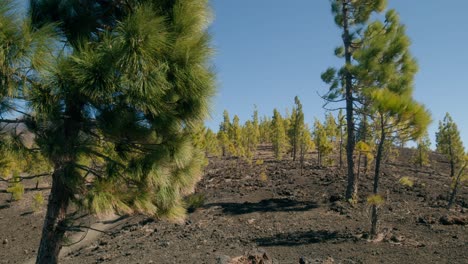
{"points": [[106, 156]]}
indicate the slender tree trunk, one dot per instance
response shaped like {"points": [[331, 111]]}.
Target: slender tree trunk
{"points": [[455, 187], [352, 188], [54, 227], [374, 221], [378, 160], [452, 161]]}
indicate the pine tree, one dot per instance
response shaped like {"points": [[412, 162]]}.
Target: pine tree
{"points": [[305, 144], [223, 132], [278, 135], [296, 127], [422, 150], [351, 16], [322, 141], [448, 142], [331, 130], [211, 144], [256, 126], [386, 67], [225, 126], [235, 136], [114, 114], [265, 130]]}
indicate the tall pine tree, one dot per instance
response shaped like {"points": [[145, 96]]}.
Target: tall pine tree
{"points": [[351, 17], [296, 127], [115, 110]]}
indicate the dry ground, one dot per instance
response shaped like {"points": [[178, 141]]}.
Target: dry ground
{"points": [[286, 214]]}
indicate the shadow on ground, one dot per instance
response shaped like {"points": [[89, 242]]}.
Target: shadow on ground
{"points": [[297, 238], [268, 205]]}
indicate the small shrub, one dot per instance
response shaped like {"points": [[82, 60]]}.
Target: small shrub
{"points": [[195, 201], [406, 181], [38, 202], [375, 199], [263, 176], [16, 189], [259, 162]]}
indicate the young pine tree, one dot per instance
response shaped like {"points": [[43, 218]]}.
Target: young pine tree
{"points": [[278, 135], [265, 130], [212, 147], [386, 67], [223, 134], [448, 142], [322, 142], [235, 136], [115, 110], [422, 150], [351, 16], [305, 144]]}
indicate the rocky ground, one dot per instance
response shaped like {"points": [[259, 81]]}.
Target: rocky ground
{"points": [[269, 208]]}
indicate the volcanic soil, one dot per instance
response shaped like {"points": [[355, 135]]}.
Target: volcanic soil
{"points": [[294, 215]]}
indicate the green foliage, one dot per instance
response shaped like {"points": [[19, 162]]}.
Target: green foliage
{"points": [[278, 135], [16, 188], [330, 127], [406, 181], [263, 176], [305, 142], [422, 151], [448, 142], [38, 202], [296, 127], [249, 140], [386, 69], [194, 201], [119, 113], [212, 146], [365, 149], [322, 142], [376, 200], [235, 137], [352, 18], [265, 130]]}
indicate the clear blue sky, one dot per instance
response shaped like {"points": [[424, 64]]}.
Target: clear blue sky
{"points": [[268, 51]]}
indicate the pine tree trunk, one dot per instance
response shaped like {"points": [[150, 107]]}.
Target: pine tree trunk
{"points": [[452, 161], [378, 160], [54, 224], [374, 221], [53, 230], [351, 189]]}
